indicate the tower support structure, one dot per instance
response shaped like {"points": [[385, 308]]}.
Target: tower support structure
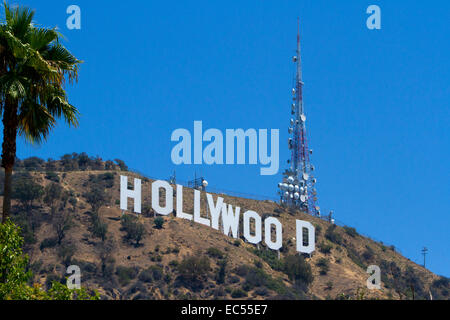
{"points": [[298, 187]]}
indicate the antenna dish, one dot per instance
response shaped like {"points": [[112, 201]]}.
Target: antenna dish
{"points": [[303, 198], [291, 187], [297, 189], [296, 196], [294, 59], [305, 176], [303, 118], [290, 179], [205, 183]]}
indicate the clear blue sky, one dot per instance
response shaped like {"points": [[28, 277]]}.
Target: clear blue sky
{"points": [[377, 102]]}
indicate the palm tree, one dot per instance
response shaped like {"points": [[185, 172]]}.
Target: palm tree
{"points": [[34, 67]]}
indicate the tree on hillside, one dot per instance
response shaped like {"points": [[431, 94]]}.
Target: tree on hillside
{"points": [[134, 229], [97, 198], [298, 270], [26, 191], [193, 271], [62, 222], [52, 193], [34, 67]]}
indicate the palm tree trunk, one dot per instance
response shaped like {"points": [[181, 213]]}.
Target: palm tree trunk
{"points": [[10, 123]]}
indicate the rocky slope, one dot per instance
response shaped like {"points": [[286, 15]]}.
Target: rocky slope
{"points": [[183, 259]]}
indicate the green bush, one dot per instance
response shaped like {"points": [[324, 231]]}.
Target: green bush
{"points": [[221, 275], [174, 263], [238, 293], [214, 253], [355, 257], [159, 222], [125, 274], [48, 243], [99, 228], [323, 265], [325, 248], [350, 231], [66, 252], [52, 176], [153, 273], [298, 269], [368, 254], [332, 235], [271, 257], [193, 271], [134, 229]]}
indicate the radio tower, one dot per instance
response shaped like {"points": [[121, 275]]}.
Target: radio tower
{"points": [[297, 189]]}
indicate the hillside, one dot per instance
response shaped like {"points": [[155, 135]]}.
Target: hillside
{"points": [[69, 213]]}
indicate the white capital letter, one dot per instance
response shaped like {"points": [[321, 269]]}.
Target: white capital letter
{"points": [[256, 238], [214, 210], [180, 213], [126, 193], [311, 237], [230, 220], [197, 217], [155, 197], [268, 233]]}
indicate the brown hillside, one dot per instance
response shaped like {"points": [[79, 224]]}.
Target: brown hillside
{"points": [[121, 270]]}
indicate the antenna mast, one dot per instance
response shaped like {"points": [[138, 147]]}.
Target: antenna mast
{"points": [[298, 187], [424, 252]]}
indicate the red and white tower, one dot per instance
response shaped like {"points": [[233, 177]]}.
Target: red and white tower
{"points": [[298, 186]]}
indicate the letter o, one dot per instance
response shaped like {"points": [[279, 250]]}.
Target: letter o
{"points": [[268, 233], [252, 238], [155, 197]]}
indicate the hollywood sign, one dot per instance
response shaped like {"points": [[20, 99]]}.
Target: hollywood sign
{"points": [[219, 211]]}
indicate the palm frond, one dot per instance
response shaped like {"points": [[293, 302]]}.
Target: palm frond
{"points": [[40, 39], [35, 122], [18, 20]]}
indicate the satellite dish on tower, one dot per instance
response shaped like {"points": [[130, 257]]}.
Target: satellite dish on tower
{"points": [[303, 198], [205, 183], [303, 118], [305, 176]]}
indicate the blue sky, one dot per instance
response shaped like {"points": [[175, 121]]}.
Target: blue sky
{"points": [[376, 100]]}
